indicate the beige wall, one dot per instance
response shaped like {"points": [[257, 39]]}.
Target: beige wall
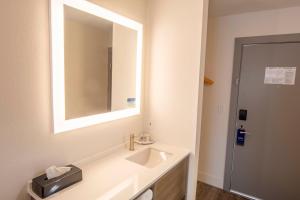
{"points": [[27, 143], [86, 68], [221, 34], [174, 78], [123, 66]]}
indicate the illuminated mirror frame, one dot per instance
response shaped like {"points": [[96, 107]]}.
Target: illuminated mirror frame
{"points": [[58, 77]]}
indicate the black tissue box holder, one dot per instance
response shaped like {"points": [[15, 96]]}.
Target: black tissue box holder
{"points": [[44, 187]]}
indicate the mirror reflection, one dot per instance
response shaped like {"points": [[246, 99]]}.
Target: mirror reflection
{"points": [[100, 65]]}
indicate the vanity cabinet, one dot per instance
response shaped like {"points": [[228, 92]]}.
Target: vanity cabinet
{"points": [[168, 181], [172, 186]]}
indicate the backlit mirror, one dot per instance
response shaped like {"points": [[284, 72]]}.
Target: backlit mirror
{"points": [[96, 65]]}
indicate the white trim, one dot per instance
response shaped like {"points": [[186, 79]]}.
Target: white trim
{"points": [[245, 195], [60, 124]]}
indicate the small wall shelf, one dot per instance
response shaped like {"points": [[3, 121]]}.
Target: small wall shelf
{"points": [[208, 81]]}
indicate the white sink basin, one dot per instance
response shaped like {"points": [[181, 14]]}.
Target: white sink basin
{"points": [[149, 157]]}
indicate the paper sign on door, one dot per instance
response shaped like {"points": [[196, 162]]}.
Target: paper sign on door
{"points": [[280, 75]]}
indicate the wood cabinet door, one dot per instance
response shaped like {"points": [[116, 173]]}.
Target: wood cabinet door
{"points": [[172, 186]]}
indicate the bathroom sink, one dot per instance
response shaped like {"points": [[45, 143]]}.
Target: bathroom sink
{"points": [[149, 157]]}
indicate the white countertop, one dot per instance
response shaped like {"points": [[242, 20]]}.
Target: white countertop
{"points": [[112, 177]]}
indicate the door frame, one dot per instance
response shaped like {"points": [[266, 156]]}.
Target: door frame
{"points": [[238, 52]]}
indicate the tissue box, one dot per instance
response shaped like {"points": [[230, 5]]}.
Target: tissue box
{"points": [[45, 187]]}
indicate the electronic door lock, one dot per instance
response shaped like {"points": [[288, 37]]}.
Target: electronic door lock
{"points": [[243, 114]]}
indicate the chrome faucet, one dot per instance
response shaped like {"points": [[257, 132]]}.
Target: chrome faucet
{"points": [[131, 142]]}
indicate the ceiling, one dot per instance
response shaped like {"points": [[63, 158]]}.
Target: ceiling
{"points": [[229, 7]]}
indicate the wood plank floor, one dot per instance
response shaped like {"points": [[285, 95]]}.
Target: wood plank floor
{"points": [[207, 192]]}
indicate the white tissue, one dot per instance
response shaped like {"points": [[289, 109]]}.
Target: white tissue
{"points": [[148, 195], [54, 171]]}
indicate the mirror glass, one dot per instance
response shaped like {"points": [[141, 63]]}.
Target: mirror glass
{"points": [[99, 63]]}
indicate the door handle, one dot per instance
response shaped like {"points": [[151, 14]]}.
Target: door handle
{"points": [[245, 132]]}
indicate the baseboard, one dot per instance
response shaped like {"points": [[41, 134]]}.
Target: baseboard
{"points": [[210, 180], [245, 195]]}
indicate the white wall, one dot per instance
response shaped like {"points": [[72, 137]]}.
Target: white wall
{"points": [[220, 49], [174, 79], [27, 144]]}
